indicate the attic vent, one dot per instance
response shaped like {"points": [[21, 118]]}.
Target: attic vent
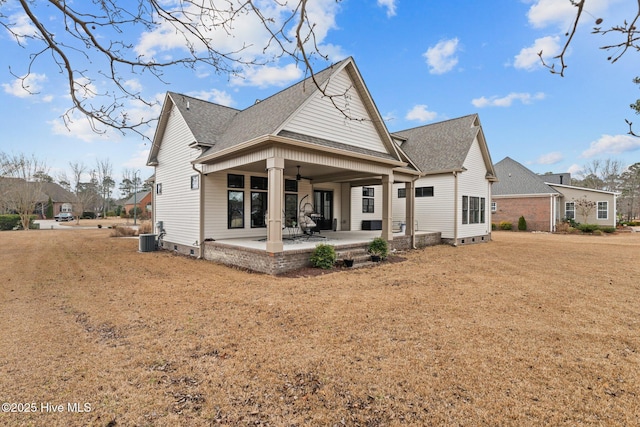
{"points": [[187, 105], [258, 101]]}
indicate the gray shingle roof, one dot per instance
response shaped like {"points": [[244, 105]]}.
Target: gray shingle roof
{"points": [[207, 121], [47, 189], [443, 146], [514, 179], [137, 197], [233, 127]]}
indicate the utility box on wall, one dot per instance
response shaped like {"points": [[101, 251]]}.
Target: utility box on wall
{"points": [[375, 224]]}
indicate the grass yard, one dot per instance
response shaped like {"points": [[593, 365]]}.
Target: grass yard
{"points": [[530, 329]]}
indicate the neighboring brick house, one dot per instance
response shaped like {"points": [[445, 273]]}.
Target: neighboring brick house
{"points": [[544, 200], [62, 200], [142, 199]]}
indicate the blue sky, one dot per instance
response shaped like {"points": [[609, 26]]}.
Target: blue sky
{"points": [[423, 61]]}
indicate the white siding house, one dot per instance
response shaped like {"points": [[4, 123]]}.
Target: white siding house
{"points": [[223, 173], [454, 195], [176, 204]]}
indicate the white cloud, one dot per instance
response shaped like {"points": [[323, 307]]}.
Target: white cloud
{"points": [[85, 88], [528, 58], [266, 76], [321, 14], [421, 114], [335, 53], [139, 159], [21, 28], [507, 101], [612, 144], [390, 5], [545, 13], [575, 169], [389, 117], [32, 84], [216, 96], [133, 85], [441, 57], [248, 38], [550, 158], [80, 126]]}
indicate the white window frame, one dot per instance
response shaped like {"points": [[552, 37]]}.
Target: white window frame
{"points": [[195, 182], [494, 206], [368, 200], [605, 211], [573, 210]]}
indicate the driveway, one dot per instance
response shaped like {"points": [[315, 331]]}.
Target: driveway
{"points": [[46, 224], [52, 224]]}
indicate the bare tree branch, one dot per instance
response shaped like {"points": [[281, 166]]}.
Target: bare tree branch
{"points": [[630, 40], [91, 47]]}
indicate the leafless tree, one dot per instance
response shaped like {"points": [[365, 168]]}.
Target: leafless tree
{"points": [[584, 207], [630, 191], [628, 35], [104, 171], [85, 39], [85, 197], [20, 189], [627, 31], [606, 173]]}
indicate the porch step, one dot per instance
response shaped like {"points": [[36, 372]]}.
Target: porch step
{"points": [[360, 255]]}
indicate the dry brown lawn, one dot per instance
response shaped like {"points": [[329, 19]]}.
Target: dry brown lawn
{"points": [[530, 329]]}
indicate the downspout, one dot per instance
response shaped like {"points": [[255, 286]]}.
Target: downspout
{"points": [[413, 226], [554, 204], [455, 208], [487, 208], [201, 215]]}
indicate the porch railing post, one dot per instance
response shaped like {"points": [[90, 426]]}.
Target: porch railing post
{"points": [[387, 203], [275, 172], [410, 211]]}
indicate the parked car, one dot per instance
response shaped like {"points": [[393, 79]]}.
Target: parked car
{"points": [[64, 216]]}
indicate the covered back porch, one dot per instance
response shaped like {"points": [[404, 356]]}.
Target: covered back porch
{"points": [[251, 252], [275, 172]]}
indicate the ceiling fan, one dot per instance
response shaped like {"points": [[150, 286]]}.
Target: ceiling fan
{"points": [[299, 177]]}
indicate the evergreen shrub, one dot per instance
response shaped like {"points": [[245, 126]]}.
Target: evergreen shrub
{"points": [[324, 256], [522, 224]]}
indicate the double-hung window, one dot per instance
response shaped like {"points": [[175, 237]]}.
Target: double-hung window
{"points": [[473, 210], [603, 210], [368, 201], [570, 210]]}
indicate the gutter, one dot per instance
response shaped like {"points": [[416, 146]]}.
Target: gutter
{"points": [[201, 215], [455, 208]]}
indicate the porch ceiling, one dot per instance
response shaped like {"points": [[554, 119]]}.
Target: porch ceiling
{"points": [[317, 173]]}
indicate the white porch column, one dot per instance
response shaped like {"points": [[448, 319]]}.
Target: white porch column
{"points": [[345, 207], [275, 171], [387, 203], [410, 211]]}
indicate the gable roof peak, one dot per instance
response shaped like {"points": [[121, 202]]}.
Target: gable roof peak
{"points": [[474, 123], [515, 178], [442, 147]]}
